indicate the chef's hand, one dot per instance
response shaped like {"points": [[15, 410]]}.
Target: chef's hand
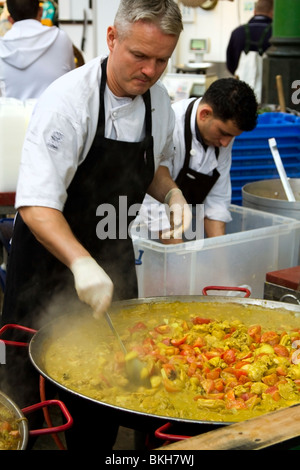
{"points": [[93, 285], [180, 214]]}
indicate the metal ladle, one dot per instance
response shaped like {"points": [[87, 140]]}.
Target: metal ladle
{"points": [[284, 179], [133, 365]]}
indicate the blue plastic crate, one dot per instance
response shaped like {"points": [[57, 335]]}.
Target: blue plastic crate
{"points": [[285, 128], [263, 168], [251, 155], [254, 161], [251, 142], [263, 149], [278, 125]]}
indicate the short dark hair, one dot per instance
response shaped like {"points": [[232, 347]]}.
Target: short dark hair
{"points": [[263, 7], [232, 99], [23, 9]]}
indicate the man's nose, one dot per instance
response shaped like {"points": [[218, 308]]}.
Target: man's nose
{"points": [[225, 141], [149, 68]]}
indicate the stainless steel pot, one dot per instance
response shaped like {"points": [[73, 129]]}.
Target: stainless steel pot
{"points": [[20, 415], [269, 196], [132, 418]]}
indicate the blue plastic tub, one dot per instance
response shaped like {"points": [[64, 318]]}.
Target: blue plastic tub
{"points": [[251, 156]]}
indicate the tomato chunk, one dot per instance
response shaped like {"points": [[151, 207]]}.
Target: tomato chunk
{"points": [[270, 337], [201, 321], [229, 356], [138, 327], [255, 332], [281, 350], [179, 341]]}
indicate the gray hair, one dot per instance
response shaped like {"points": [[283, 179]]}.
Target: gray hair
{"points": [[164, 13]]}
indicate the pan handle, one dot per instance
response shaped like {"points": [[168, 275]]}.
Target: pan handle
{"points": [[162, 433], [16, 327], [290, 297], [240, 289], [55, 429]]}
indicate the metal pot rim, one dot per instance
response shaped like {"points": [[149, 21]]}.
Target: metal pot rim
{"points": [[248, 191], [23, 425]]}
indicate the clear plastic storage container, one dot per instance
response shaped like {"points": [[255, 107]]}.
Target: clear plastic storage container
{"points": [[256, 243]]}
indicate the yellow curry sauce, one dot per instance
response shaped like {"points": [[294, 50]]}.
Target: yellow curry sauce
{"points": [[10, 437], [211, 361]]}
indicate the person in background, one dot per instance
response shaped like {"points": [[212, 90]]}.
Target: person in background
{"points": [[32, 55], [99, 133], [203, 137], [247, 45]]}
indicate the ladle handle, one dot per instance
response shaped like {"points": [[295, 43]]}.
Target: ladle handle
{"points": [[110, 323], [285, 182]]}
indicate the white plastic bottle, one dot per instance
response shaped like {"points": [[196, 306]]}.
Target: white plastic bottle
{"points": [[14, 118]]}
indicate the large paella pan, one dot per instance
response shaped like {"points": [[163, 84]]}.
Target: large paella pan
{"points": [[208, 359]]}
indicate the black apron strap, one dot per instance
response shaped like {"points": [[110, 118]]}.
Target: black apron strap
{"points": [[247, 38], [101, 119], [262, 38], [148, 118], [188, 134], [259, 43]]}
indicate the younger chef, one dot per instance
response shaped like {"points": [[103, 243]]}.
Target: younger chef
{"points": [[203, 137]]}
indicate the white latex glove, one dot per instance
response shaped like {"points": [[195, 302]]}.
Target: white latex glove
{"points": [[93, 285], [180, 214]]}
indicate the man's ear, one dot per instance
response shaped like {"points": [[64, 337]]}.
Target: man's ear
{"points": [[111, 37], [205, 111], [10, 19]]}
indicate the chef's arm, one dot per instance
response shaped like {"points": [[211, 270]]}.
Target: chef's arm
{"points": [[214, 228], [51, 229], [161, 184]]}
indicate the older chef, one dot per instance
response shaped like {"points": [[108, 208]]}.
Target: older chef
{"points": [[204, 134], [98, 134]]}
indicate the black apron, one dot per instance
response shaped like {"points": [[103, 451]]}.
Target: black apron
{"points": [[111, 169], [194, 185]]}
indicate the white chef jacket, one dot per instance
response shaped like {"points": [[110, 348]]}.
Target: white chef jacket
{"points": [[216, 204], [63, 126], [32, 56]]}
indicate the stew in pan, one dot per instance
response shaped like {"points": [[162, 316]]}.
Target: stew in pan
{"points": [[10, 436], [203, 361]]}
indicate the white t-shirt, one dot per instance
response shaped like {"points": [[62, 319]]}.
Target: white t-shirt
{"points": [[217, 202], [63, 126], [32, 56]]}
